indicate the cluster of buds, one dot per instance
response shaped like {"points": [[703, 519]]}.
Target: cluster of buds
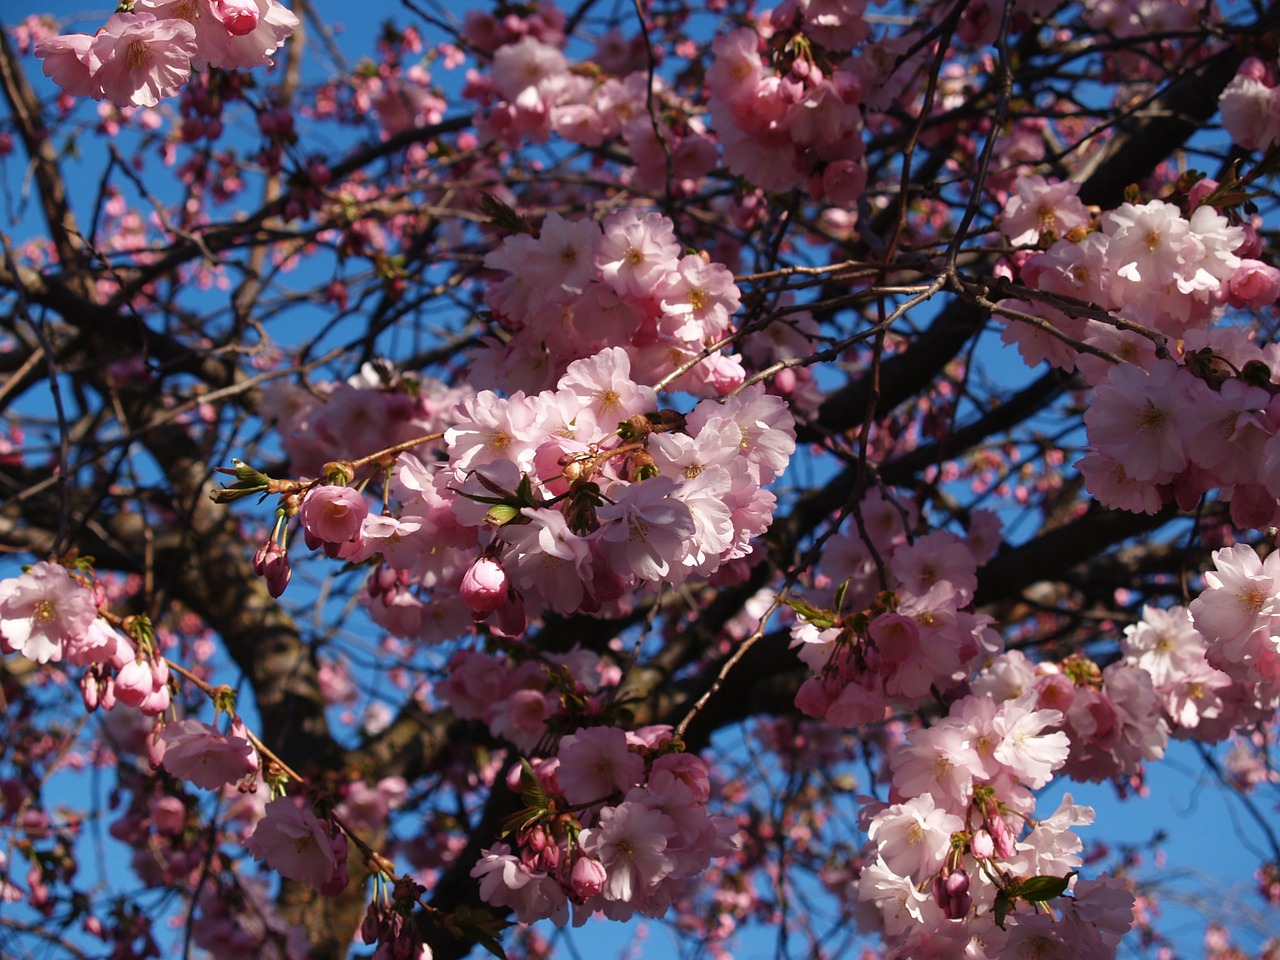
{"points": [[389, 923]]}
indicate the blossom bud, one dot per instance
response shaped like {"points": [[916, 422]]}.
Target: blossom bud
{"points": [[982, 846], [89, 691], [1000, 836], [1254, 69], [107, 695], [369, 926], [1254, 284], [277, 571], [133, 683], [952, 894], [155, 747], [336, 885], [484, 587], [382, 582], [1200, 191], [511, 619], [237, 729], [588, 877], [156, 702], [240, 17], [1251, 246], [272, 563], [785, 381]]}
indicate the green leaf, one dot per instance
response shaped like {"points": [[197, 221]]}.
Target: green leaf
{"points": [[531, 791], [840, 592], [1040, 889], [501, 514], [480, 926], [503, 216], [1003, 903], [822, 619]]}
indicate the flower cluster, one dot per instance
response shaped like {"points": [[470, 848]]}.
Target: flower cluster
{"points": [[1238, 614], [580, 287], [517, 702], [790, 117], [589, 507], [1251, 107], [146, 54], [900, 645], [1164, 434], [1112, 716], [571, 496], [200, 754], [48, 615], [297, 844], [532, 93], [953, 859], [613, 822], [1199, 701], [371, 410], [1146, 263], [1162, 427]]}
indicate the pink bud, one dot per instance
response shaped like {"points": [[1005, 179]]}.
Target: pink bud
{"points": [[1200, 190], [982, 846], [156, 702], [237, 729], [89, 691], [369, 926], [1254, 69], [272, 563], [238, 16], [1251, 247], [785, 381], [383, 581], [588, 877], [1004, 842], [511, 619], [155, 747], [484, 587], [336, 885], [133, 683], [952, 894], [107, 695]]}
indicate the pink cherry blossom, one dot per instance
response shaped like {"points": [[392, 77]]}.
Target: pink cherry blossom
{"points": [[42, 610], [646, 528], [332, 514], [913, 837], [197, 752], [595, 763], [69, 62], [142, 59], [1038, 207], [291, 840], [630, 841]]}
